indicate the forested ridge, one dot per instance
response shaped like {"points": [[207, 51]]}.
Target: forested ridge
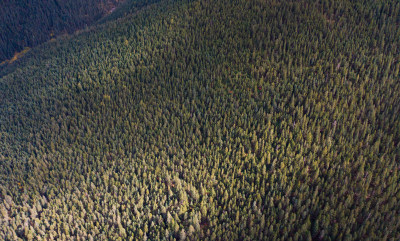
{"points": [[208, 120], [27, 23]]}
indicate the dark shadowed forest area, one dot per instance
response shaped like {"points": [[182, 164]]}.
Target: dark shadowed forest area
{"points": [[27, 23]]}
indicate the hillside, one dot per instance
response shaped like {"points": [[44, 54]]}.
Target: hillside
{"points": [[208, 120], [29, 23]]}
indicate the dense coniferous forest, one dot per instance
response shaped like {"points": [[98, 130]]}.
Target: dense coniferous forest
{"points": [[208, 120], [27, 23]]}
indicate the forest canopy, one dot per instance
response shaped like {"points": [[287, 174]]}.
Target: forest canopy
{"points": [[30, 22], [208, 120]]}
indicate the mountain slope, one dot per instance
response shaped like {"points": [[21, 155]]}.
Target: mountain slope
{"points": [[241, 120], [29, 23]]}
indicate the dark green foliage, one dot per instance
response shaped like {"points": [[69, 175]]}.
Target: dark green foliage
{"points": [[208, 120], [27, 23]]}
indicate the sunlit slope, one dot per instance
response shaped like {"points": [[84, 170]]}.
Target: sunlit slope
{"points": [[233, 120]]}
